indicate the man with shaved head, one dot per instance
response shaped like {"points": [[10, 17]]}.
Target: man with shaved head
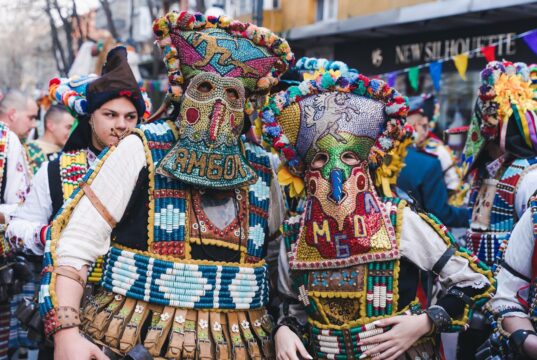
{"points": [[19, 112], [58, 125]]}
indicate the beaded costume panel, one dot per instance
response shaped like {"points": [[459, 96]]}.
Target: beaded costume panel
{"points": [[177, 218], [490, 243]]}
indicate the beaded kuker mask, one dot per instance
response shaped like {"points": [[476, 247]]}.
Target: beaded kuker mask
{"points": [[209, 150]]}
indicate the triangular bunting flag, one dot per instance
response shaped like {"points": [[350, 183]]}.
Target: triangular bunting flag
{"points": [[461, 63], [435, 70], [413, 77], [531, 41], [489, 52], [391, 78]]}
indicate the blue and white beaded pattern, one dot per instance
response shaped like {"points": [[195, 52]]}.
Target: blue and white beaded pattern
{"points": [[179, 284], [170, 212], [258, 196]]}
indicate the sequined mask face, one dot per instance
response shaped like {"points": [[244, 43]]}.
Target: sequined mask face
{"points": [[212, 110], [337, 174], [209, 150]]}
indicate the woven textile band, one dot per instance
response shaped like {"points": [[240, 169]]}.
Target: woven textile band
{"points": [[185, 285]]}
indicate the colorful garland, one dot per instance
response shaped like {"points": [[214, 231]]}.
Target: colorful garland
{"points": [[502, 85], [396, 108], [387, 173], [71, 92], [310, 64], [185, 21]]}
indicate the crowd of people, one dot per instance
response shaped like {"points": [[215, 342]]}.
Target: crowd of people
{"points": [[269, 209]]}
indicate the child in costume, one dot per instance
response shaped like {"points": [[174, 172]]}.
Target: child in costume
{"points": [[349, 264]]}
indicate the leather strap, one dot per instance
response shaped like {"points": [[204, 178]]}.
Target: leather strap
{"points": [[256, 319], [217, 332], [439, 265], [189, 345], [253, 346], [68, 317], [118, 323], [131, 334], [204, 348], [95, 305], [508, 267], [239, 349], [98, 205], [71, 274], [461, 295], [102, 319], [160, 326], [175, 346]]}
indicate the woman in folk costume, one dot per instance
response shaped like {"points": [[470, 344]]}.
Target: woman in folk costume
{"points": [[188, 207], [349, 264]]}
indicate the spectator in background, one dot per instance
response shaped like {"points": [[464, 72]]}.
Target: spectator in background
{"points": [[58, 125], [19, 112]]}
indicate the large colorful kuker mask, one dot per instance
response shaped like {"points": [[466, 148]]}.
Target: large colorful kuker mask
{"points": [[215, 64], [505, 112], [331, 130]]}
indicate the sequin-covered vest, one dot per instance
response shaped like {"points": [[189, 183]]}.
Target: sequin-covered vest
{"points": [[489, 243], [342, 301]]}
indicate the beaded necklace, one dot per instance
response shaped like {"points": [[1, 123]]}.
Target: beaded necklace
{"points": [[73, 167]]}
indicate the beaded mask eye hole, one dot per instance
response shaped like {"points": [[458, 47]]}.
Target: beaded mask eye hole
{"points": [[350, 158], [320, 160], [205, 87]]}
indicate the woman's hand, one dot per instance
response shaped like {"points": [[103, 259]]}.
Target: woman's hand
{"points": [[70, 345], [288, 344], [405, 331]]}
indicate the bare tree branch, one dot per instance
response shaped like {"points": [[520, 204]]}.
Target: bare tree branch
{"points": [[109, 19], [57, 47], [131, 19], [68, 29], [79, 25]]}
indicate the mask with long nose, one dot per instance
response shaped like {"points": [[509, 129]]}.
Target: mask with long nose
{"points": [[344, 217], [209, 150]]}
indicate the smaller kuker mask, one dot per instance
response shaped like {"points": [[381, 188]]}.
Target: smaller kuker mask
{"points": [[209, 151]]}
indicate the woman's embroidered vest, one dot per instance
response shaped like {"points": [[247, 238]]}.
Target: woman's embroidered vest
{"points": [[494, 208], [194, 308]]}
